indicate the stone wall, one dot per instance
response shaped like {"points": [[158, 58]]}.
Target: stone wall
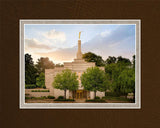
{"points": [[58, 92], [49, 78], [98, 93], [36, 94]]}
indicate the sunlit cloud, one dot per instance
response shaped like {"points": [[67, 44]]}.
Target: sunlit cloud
{"points": [[35, 44], [60, 55], [55, 35]]}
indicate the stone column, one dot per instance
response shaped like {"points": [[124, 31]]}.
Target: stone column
{"points": [[67, 94], [79, 53], [91, 95]]}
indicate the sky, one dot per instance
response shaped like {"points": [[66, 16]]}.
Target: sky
{"points": [[59, 42]]}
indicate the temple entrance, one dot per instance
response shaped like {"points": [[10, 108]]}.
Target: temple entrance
{"points": [[80, 94]]}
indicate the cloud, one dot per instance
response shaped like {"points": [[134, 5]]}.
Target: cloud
{"points": [[60, 55], [119, 42], [35, 44], [105, 33], [55, 35]]}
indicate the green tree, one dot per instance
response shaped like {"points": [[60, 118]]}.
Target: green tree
{"points": [[126, 81], [67, 80], [116, 73], [40, 81], [59, 65], [30, 70], [110, 70], [125, 61], [133, 60], [111, 60], [91, 57], [107, 84], [93, 79], [44, 63]]}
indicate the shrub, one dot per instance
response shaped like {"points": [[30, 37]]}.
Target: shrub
{"points": [[42, 97], [40, 91], [61, 97], [51, 97], [40, 81], [26, 94], [44, 87], [30, 86], [103, 97], [27, 97], [97, 97], [114, 94]]}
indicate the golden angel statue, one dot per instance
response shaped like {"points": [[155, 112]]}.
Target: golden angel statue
{"points": [[79, 35]]}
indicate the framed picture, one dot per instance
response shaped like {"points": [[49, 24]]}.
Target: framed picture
{"points": [[80, 64]]}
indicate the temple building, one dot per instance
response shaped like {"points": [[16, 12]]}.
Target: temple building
{"points": [[79, 65]]}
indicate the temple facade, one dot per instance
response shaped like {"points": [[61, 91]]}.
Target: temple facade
{"points": [[79, 65]]}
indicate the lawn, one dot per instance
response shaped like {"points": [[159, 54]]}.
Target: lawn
{"points": [[111, 99]]}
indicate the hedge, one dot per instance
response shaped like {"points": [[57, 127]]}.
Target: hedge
{"points": [[60, 97], [40, 91], [97, 97], [43, 97], [64, 100], [96, 100], [51, 97]]}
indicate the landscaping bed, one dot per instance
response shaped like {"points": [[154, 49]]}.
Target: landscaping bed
{"points": [[64, 100], [43, 97], [40, 91], [96, 101]]}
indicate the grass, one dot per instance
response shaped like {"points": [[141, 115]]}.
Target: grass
{"points": [[116, 98]]}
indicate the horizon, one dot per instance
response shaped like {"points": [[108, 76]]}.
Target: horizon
{"points": [[59, 42]]}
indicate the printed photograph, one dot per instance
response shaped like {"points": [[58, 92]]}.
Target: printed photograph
{"points": [[80, 63]]}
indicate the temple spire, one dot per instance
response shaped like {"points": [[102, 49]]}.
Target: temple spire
{"points": [[79, 53]]}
